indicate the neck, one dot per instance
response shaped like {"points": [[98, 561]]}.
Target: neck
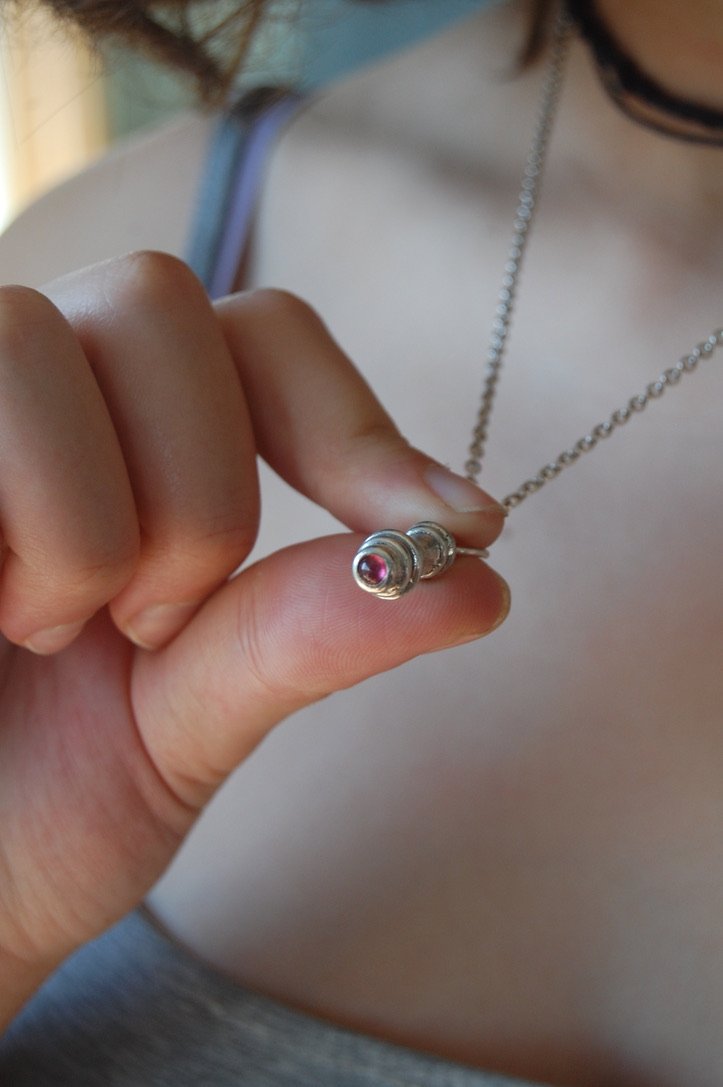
{"points": [[668, 186], [483, 121]]}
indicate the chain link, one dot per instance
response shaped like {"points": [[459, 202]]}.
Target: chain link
{"points": [[635, 405], [524, 216]]}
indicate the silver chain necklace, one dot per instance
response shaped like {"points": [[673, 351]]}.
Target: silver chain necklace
{"points": [[389, 563]]}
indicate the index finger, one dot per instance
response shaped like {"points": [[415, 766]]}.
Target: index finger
{"points": [[320, 426]]}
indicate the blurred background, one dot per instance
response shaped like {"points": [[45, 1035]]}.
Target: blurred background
{"points": [[52, 109], [61, 104]]}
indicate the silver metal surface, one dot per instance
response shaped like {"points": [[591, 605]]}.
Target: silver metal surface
{"points": [[437, 545], [390, 563], [395, 551]]}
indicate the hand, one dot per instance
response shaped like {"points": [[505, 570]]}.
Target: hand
{"points": [[135, 674]]}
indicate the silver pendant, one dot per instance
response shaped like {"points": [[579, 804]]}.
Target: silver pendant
{"points": [[390, 563]]}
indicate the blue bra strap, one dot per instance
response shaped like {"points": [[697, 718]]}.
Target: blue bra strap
{"points": [[229, 190]]}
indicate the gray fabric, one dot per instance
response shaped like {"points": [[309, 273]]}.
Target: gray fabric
{"points": [[133, 1008]]}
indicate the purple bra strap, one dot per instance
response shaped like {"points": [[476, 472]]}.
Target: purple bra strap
{"points": [[230, 189]]}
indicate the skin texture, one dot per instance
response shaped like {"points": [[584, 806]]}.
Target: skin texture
{"points": [[124, 512], [508, 854]]}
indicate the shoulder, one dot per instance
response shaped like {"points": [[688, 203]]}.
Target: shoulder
{"points": [[139, 195]]}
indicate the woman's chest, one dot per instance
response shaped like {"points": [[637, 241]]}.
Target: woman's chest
{"points": [[604, 683], [492, 850], [407, 273]]}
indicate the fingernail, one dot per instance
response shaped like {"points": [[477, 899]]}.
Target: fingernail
{"points": [[458, 493], [53, 639], [149, 629]]}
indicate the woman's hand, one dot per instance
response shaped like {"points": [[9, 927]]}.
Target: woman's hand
{"points": [[135, 674]]}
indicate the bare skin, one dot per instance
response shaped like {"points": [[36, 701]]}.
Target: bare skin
{"points": [[509, 854]]}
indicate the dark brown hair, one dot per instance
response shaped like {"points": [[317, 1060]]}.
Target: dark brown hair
{"points": [[184, 35]]}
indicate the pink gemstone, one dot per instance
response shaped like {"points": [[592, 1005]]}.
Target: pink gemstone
{"points": [[373, 570]]}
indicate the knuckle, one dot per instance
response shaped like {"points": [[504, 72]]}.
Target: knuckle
{"points": [[250, 317], [23, 313], [149, 278], [280, 306], [43, 590], [374, 432], [228, 542], [255, 636], [259, 676], [218, 546], [103, 567]]}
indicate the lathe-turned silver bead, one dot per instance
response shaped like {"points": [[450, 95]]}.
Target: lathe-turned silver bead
{"points": [[437, 545], [389, 563]]}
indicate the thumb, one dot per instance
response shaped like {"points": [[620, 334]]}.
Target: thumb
{"points": [[284, 633]]}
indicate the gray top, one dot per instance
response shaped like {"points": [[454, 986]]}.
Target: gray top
{"points": [[134, 1009]]}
